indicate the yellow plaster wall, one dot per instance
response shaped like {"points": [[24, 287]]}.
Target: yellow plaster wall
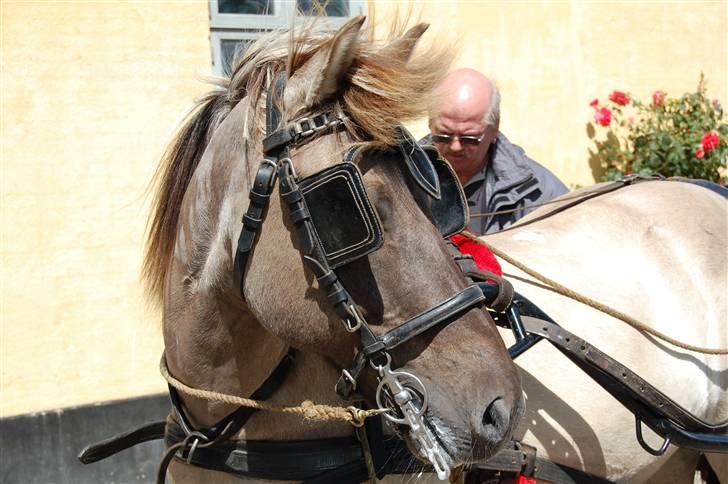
{"points": [[550, 59], [91, 92]]}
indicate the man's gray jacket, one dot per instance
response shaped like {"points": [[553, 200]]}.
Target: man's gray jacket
{"points": [[509, 180]]}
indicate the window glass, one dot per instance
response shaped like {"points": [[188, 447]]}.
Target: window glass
{"points": [[249, 7], [228, 48], [333, 8]]}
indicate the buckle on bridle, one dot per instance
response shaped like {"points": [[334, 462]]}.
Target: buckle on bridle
{"points": [[289, 163], [349, 379], [196, 437], [309, 126], [274, 176], [358, 321]]}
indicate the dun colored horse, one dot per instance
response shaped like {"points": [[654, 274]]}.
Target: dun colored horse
{"points": [[219, 338], [657, 252]]}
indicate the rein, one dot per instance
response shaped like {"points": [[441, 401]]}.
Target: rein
{"points": [[307, 409], [580, 198]]}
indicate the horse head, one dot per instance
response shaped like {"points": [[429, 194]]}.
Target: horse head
{"points": [[347, 265]]}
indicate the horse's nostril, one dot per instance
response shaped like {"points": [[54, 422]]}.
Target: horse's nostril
{"points": [[495, 418]]}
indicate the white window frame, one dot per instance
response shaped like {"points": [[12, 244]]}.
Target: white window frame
{"points": [[235, 26], [216, 39]]}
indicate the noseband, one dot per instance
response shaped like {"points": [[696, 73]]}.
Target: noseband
{"points": [[400, 390]]}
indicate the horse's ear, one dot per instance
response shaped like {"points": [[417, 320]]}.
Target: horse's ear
{"points": [[331, 64], [403, 47]]}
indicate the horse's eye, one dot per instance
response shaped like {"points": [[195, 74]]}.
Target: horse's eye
{"points": [[383, 206]]}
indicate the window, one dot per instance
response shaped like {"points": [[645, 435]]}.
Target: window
{"points": [[235, 24]]}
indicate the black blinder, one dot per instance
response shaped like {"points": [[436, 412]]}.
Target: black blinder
{"points": [[346, 223], [450, 212], [419, 164]]}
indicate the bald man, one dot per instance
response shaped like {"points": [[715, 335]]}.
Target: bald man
{"points": [[496, 174]]}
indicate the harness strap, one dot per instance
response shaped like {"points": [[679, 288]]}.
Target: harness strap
{"points": [[497, 290], [336, 460], [599, 365], [320, 461], [222, 431], [301, 129], [443, 313], [521, 459], [648, 404], [106, 448], [253, 218]]}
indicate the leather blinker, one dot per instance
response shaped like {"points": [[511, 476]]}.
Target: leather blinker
{"points": [[347, 226], [419, 164], [450, 212]]}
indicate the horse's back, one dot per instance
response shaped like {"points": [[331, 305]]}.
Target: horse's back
{"points": [[639, 243], [653, 250]]}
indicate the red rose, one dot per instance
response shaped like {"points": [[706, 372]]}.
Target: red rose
{"points": [[658, 98], [594, 103], [710, 141], [603, 116], [699, 153], [618, 97]]}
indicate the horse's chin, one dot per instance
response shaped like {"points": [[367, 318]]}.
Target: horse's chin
{"points": [[455, 449], [456, 446]]}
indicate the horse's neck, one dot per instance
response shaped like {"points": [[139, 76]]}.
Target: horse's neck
{"points": [[235, 355]]}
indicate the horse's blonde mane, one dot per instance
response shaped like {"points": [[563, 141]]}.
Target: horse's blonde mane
{"points": [[384, 88]]}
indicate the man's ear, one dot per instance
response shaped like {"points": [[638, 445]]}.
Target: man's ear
{"points": [[401, 49], [491, 133], [321, 76]]}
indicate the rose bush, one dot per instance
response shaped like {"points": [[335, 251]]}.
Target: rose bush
{"points": [[685, 136]]}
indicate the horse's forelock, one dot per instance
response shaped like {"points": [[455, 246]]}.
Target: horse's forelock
{"points": [[381, 91]]}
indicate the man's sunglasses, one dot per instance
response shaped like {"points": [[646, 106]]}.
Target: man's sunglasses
{"points": [[446, 139]]}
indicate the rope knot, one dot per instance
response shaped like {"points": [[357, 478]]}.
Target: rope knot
{"points": [[310, 410]]}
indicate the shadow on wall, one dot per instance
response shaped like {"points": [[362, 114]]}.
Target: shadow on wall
{"points": [[42, 447], [596, 159]]}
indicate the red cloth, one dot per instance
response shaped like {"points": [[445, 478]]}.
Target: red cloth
{"points": [[525, 480], [483, 257]]}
